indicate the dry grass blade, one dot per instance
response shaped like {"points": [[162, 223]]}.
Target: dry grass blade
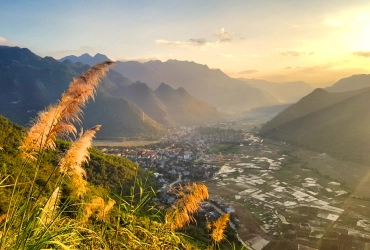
{"points": [[71, 163], [50, 207]]}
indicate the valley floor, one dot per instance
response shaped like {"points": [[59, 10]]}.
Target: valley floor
{"points": [[283, 197]]}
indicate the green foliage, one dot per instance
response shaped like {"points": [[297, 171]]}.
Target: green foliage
{"points": [[134, 224]]}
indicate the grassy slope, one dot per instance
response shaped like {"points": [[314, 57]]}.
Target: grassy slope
{"points": [[104, 172]]}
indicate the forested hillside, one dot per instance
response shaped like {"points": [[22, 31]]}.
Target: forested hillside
{"points": [[334, 123]]}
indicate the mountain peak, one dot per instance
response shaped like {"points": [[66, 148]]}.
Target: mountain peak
{"points": [[164, 87], [354, 82], [182, 91], [86, 58]]}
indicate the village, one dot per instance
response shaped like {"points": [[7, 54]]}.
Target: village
{"points": [[277, 200]]}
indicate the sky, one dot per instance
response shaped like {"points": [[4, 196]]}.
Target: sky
{"points": [[318, 42]]}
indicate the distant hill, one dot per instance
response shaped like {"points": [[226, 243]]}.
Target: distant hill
{"points": [[86, 59], [29, 83], [265, 112], [183, 108], [350, 83], [144, 97], [119, 118], [209, 85], [289, 92], [334, 123]]}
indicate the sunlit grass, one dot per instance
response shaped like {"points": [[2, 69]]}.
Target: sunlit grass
{"points": [[40, 219]]}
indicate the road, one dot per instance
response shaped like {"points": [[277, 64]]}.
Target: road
{"points": [[177, 181]]}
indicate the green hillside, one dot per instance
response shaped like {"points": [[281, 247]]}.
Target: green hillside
{"points": [[334, 123], [103, 171], [78, 222]]}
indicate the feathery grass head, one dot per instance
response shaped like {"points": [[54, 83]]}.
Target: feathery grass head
{"points": [[41, 134], [99, 206], [57, 119], [181, 214], [219, 227], [80, 90], [50, 207], [106, 209], [71, 163]]}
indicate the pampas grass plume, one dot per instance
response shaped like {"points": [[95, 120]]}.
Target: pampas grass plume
{"points": [[57, 119], [71, 163], [219, 227], [181, 214]]}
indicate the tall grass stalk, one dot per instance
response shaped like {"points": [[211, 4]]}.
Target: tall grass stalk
{"points": [[56, 120], [37, 222]]}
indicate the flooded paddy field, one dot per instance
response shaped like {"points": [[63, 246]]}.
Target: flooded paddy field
{"points": [[284, 194]]}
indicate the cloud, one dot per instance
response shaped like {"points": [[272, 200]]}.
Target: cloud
{"points": [[191, 43], [4, 41], [295, 53], [248, 71], [287, 67], [225, 36], [362, 53], [226, 55], [162, 58], [334, 22]]}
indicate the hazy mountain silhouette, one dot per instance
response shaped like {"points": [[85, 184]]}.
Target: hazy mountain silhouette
{"points": [[334, 123], [350, 83], [289, 92], [209, 85], [29, 83], [183, 108], [86, 59], [156, 104], [144, 97]]}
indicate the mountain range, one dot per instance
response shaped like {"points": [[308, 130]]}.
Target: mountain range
{"points": [[29, 83], [210, 85], [334, 123], [350, 83], [289, 92], [166, 105], [86, 59]]}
